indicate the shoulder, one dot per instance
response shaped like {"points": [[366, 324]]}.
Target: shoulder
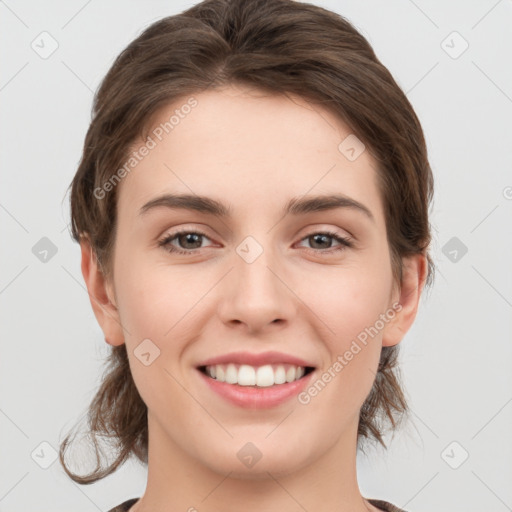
{"points": [[385, 506], [124, 507]]}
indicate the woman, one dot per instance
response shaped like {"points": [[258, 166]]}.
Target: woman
{"points": [[252, 210]]}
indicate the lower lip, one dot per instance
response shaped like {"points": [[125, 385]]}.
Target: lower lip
{"points": [[257, 397]]}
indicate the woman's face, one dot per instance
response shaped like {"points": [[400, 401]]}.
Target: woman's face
{"points": [[262, 277]]}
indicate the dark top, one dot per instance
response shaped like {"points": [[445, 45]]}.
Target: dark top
{"points": [[383, 505]]}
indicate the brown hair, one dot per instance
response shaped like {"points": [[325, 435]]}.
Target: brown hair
{"points": [[280, 46]]}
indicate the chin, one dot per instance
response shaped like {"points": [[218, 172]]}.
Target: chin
{"points": [[277, 464]]}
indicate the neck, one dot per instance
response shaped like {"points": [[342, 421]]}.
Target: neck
{"points": [[180, 482]]}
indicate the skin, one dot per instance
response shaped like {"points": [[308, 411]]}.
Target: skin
{"points": [[253, 151]]}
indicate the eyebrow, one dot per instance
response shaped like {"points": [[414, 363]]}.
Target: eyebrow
{"points": [[295, 206]]}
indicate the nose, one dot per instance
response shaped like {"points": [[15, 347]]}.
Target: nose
{"points": [[255, 296]]}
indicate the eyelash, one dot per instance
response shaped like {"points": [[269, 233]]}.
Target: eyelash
{"points": [[166, 242]]}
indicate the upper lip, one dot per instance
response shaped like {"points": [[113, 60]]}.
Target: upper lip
{"points": [[259, 359]]}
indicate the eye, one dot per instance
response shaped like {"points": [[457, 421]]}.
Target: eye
{"points": [[322, 239], [190, 240]]}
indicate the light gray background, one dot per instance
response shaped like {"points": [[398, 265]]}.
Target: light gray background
{"points": [[456, 360]]}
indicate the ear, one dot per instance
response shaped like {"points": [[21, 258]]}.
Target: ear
{"points": [[414, 275], [100, 292]]}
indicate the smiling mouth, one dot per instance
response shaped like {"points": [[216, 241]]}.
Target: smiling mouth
{"points": [[256, 376]]}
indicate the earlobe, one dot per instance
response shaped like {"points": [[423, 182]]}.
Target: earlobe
{"points": [[100, 292], [413, 281]]}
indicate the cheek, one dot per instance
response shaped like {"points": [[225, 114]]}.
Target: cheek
{"points": [[350, 301], [350, 305], [164, 303], [157, 304], [353, 352]]}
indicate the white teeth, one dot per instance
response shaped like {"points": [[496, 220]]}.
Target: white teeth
{"points": [[265, 376], [231, 374], [246, 375], [279, 375], [290, 374], [262, 376], [219, 373]]}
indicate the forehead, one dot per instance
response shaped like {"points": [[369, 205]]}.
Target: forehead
{"points": [[250, 147]]}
